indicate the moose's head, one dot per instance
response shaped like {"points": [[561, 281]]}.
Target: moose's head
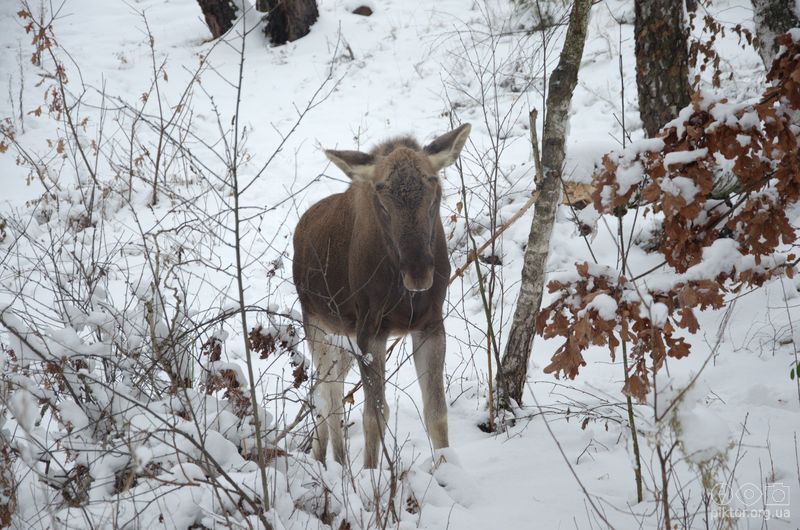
{"points": [[402, 181]]}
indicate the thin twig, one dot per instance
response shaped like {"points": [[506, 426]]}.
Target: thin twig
{"points": [[586, 493]]}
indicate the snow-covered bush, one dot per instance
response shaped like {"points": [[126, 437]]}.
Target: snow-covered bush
{"points": [[109, 418], [719, 187], [717, 239]]}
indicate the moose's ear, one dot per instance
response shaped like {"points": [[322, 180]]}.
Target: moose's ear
{"points": [[354, 164], [444, 151]]}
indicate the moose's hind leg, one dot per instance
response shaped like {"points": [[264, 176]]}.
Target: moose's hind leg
{"points": [[331, 363]]}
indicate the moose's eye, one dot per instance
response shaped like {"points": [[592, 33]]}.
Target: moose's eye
{"points": [[380, 186]]}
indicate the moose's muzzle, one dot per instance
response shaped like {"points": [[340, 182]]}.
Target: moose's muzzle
{"points": [[418, 274]]}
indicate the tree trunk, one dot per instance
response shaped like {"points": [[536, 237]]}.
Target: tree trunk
{"points": [[288, 20], [772, 18], [513, 370], [662, 62], [219, 14]]}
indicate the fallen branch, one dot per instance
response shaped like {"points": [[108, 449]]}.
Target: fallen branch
{"points": [[473, 255]]}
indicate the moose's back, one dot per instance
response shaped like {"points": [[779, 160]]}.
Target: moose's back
{"points": [[320, 267]]}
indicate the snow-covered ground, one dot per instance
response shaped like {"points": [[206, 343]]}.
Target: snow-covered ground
{"points": [[412, 67]]}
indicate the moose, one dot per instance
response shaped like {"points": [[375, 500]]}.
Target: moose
{"points": [[370, 263]]}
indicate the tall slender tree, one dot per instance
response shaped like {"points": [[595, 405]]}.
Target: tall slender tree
{"points": [[662, 62], [513, 370]]}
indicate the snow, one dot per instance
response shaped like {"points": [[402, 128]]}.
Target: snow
{"points": [[743, 140], [749, 120], [646, 145], [629, 176], [721, 257], [397, 71], [657, 313], [235, 368], [23, 407], [680, 187], [684, 157], [589, 216], [605, 306], [72, 414]]}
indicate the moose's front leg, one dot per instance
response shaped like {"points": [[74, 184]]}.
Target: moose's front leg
{"points": [[372, 363], [429, 350]]}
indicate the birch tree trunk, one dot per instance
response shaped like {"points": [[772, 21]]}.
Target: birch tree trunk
{"points": [[772, 18], [513, 370], [662, 62]]}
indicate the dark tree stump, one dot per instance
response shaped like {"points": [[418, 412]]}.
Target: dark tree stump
{"points": [[364, 11], [219, 14], [288, 20]]}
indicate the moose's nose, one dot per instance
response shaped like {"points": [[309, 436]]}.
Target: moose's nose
{"points": [[417, 274], [421, 282]]}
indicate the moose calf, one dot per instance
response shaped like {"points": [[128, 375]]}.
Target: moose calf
{"points": [[369, 263]]}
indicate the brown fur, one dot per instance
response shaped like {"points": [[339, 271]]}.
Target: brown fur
{"points": [[343, 275], [357, 254]]}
